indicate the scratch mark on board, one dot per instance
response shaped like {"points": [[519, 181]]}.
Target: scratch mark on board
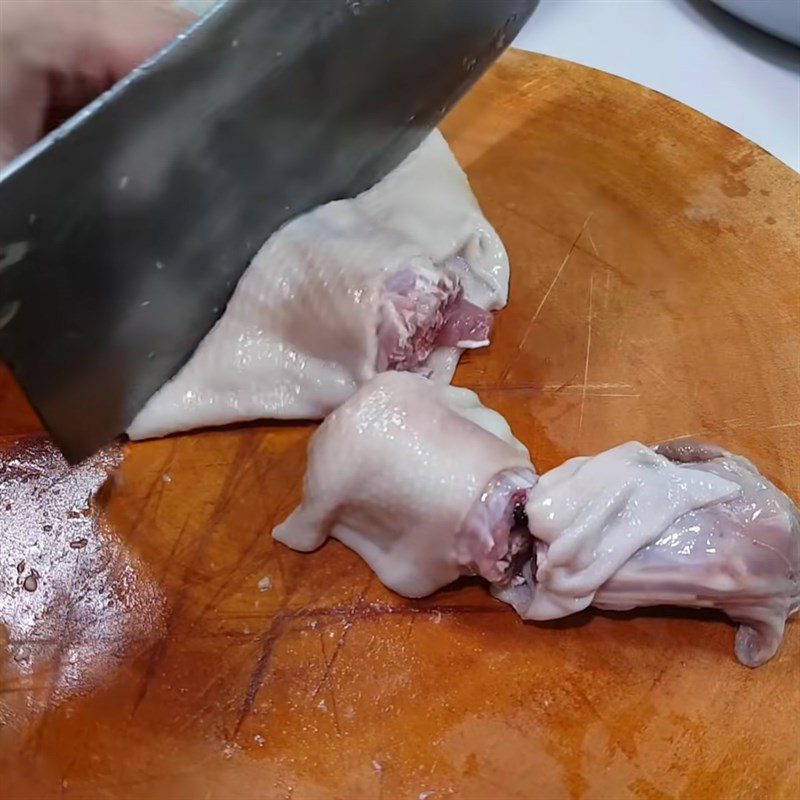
{"points": [[588, 352], [244, 453], [259, 670], [594, 389], [532, 321], [342, 640]]}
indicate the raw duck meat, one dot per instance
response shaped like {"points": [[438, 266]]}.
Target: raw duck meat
{"points": [[420, 480], [427, 485], [402, 277], [684, 524]]}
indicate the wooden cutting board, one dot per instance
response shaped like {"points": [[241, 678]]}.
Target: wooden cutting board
{"points": [[179, 653]]}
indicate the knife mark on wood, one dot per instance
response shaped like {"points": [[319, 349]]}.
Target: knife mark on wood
{"points": [[156, 657], [244, 451], [588, 352], [359, 603], [259, 672], [158, 483], [233, 573], [532, 322], [168, 563]]}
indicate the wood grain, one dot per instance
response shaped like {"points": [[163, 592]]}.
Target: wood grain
{"points": [[655, 293]]}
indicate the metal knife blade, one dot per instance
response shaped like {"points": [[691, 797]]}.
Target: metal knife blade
{"points": [[124, 232]]}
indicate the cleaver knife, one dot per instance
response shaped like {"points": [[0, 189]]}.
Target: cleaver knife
{"points": [[123, 233]]}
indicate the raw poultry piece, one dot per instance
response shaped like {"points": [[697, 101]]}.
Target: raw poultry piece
{"points": [[426, 485], [684, 524], [420, 480], [402, 277]]}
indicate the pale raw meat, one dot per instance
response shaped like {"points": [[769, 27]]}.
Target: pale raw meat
{"points": [[400, 277], [427, 485], [590, 515], [419, 479], [688, 525], [741, 557]]}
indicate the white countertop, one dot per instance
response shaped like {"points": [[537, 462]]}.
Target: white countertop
{"points": [[689, 50]]}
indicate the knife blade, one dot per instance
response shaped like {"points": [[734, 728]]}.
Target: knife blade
{"points": [[124, 232]]}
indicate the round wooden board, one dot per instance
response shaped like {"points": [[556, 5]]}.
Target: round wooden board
{"points": [[655, 294]]}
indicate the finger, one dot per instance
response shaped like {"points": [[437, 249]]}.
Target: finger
{"points": [[23, 100], [129, 33], [56, 55]]}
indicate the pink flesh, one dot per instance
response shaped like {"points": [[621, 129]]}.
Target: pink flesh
{"points": [[425, 315], [490, 542], [741, 556], [464, 322]]}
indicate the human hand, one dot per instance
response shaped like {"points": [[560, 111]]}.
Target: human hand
{"points": [[57, 55]]}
